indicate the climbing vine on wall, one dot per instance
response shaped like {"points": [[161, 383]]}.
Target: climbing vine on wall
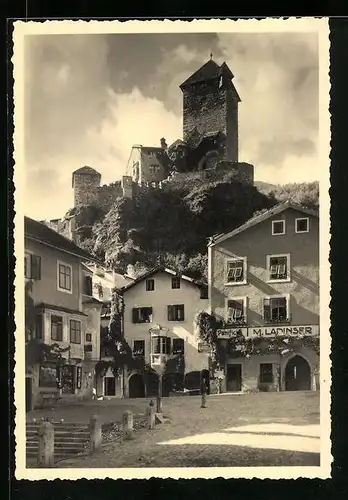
{"points": [[239, 345]]}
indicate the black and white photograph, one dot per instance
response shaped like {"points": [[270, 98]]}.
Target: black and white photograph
{"points": [[171, 231]]}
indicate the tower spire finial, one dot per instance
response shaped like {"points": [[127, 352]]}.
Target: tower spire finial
{"points": [[211, 55]]}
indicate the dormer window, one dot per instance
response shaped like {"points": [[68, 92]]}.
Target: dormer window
{"points": [[302, 225], [278, 227]]}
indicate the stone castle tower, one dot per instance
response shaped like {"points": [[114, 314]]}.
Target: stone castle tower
{"points": [[210, 108], [85, 182]]}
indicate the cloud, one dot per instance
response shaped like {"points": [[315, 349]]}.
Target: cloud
{"points": [[89, 98]]}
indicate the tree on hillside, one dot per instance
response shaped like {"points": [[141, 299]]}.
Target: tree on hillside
{"points": [[305, 193]]}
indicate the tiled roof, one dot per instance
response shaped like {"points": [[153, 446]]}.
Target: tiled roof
{"points": [[37, 231], [162, 269], [208, 71], [257, 219]]}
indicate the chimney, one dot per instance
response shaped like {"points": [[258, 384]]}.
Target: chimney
{"points": [[164, 144]]}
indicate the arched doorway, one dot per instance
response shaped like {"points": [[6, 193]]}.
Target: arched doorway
{"points": [[172, 382], [297, 375], [151, 384], [193, 380], [136, 386]]}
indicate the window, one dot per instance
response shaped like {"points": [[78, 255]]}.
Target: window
{"points": [[88, 337], [275, 310], [142, 315], [176, 313], [278, 227], [57, 328], [75, 331], [266, 373], [139, 348], [39, 327], [88, 286], [32, 266], [64, 277], [178, 346], [278, 267], [236, 271], [153, 169], [88, 348], [150, 285], [175, 283], [302, 225], [235, 311], [160, 345]]}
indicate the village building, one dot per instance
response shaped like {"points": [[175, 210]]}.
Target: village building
{"points": [[264, 291], [160, 310], [63, 346]]}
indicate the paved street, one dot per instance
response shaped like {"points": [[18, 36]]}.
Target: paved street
{"points": [[263, 429]]}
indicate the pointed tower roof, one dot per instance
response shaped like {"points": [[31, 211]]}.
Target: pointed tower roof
{"points": [[208, 71]]}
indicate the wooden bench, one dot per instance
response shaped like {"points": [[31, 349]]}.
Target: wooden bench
{"points": [[48, 398]]}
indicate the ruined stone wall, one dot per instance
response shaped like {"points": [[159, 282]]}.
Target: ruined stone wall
{"points": [[107, 194], [205, 107], [85, 189]]}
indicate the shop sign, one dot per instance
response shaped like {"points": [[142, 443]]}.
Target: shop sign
{"points": [[229, 333], [289, 331]]}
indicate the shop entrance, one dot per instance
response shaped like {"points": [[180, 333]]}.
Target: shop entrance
{"points": [[297, 375], [234, 378], [109, 386]]}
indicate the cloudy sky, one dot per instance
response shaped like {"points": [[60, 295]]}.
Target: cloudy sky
{"points": [[88, 98]]}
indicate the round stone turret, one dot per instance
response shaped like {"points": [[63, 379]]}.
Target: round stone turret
{"points": [[85, 182]]}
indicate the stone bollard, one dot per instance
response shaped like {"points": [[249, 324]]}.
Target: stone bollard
{"points": [[159, 404], [95, 433], [46, 445], [127, 425], [204, 400], [151, 416]]}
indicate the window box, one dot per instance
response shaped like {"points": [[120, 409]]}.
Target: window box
{"points": [[278, 268], [236, 271], [276, 310]]}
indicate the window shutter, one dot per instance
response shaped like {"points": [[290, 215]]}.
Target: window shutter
{"points": [[182, 314], [170, 313], [36, 267], [168, 345], [135, 315], [266, 309]]}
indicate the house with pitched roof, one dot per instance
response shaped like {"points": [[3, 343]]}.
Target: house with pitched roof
{"points": [[63, 307], [264, 293], [160, 311]]}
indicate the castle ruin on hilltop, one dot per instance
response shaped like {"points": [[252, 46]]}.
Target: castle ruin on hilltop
{"points": [[210, 142]]}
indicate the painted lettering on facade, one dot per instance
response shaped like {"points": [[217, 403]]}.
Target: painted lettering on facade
{"points": [[229, 333], [311, 330]]}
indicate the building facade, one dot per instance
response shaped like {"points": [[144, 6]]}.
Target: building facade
{"points": [[57, 343], [160, 310], [264, 291]]}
